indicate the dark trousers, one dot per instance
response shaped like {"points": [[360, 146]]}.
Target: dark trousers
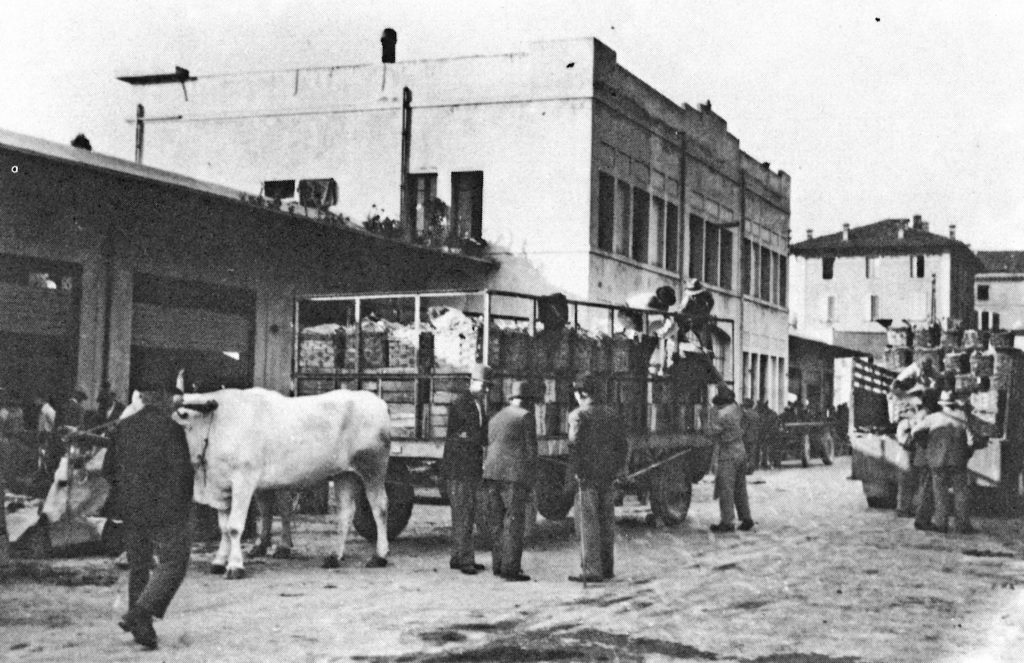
{"points": [[506, 511], [150, 589], [907, 491], [595, 526], [925, 497], [731, 484], [943, 479], [462, 497]]}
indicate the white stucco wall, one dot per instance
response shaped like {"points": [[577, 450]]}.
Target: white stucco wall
{"points": [[1005, 298]]}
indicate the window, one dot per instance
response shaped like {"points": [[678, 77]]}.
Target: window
{"points": [[711, 251], [672, 238], [871, 266], [783, 282], [829, 305], [319, 194], [696, 247], [745, 276], [755, 270], [641, 223], [917, 267], [995, 322], [423, 190], [605, 211], [828, 264], [982, 293], [657, 240], [873, 306], [726, 280], [766, 275], [983, 321], [468, 203], [622, 216]]}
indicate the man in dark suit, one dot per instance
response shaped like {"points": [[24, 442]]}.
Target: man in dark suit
{"points": [[510, 470], [463, 466], [947, 453], [597, 451], [151, 472]]}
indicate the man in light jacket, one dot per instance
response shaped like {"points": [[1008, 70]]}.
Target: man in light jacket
{"points": [[510, 470], [947, 453], [725, 424]]}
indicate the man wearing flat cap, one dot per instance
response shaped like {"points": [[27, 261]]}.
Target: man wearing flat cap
{"points": [[597, 451], [510, 470], [725, 423], [463, 465], [150, 471]]}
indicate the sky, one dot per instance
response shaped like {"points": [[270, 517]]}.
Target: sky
{"points": [[875, 109]]}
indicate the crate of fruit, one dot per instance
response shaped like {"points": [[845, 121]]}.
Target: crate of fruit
{"points": [[318, 347]]}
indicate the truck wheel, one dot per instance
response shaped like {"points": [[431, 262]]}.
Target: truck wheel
{"points": [[552, 501], [670, 494], [398, 485]]}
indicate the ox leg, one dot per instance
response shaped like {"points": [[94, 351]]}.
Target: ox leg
{"points": [[220, 560], [284, 509], [345, 487], [377, 496], [241, 498]]}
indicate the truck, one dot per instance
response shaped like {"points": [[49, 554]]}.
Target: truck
{"points": [[989, 381], [415, 351]]}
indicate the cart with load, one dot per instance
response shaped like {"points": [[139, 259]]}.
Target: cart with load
{"points": [[416, 350]]}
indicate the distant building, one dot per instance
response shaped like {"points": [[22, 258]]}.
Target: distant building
{"points": [[848, 287], [578, 176], [999, 290]]}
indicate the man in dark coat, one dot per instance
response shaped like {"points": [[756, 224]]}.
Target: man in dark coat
{"points": [[463, 466], [510, 470], [947, 453], [150, 471], [597, 451], [725, 424], [753, 434], [770, 451]]}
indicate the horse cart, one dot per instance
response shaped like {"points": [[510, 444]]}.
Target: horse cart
{"points": [[415, 351]]}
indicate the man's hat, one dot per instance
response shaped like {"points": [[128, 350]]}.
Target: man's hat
{"points": [[694, 285], [585, 383], [480, 372], [946, 398], [723, 395], [520, 389]]}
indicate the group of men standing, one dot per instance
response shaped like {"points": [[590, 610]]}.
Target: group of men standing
{"points": [[499, 454]]}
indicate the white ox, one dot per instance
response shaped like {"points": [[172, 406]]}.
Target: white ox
{"points": [[244, 440]]}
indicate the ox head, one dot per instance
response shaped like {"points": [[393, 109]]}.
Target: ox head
{"points": [[194, 413]]}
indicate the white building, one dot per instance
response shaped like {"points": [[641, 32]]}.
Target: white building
{"points": [[999, 290], [848, 286], [580, 177]]}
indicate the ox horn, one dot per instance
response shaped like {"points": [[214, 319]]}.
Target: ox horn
{"points": [[179, 383], [202, 407]]}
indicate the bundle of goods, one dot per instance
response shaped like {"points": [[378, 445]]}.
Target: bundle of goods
{"points": [[456, 337], [983, 363], [511, 349], [555, 350], [898, 337], [987, 412], [1001, 340], [958, 362], [927, 336], [403, 345], [970, 339], [934, 354], [374, 335], [632, 354], [952, 333], [897, 358], [318, 347]]}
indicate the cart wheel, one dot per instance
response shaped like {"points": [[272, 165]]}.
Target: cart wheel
{"points": [[398, 485], [670, 495], [552, 501]]}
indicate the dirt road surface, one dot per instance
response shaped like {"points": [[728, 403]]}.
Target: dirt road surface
{"points": [[821, 579]]}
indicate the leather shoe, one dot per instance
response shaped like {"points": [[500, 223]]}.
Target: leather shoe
{"points": [[585, 578], [141, 629], [519, 577], [722, 528], [468, 570], [924, 527], [746, 525]]}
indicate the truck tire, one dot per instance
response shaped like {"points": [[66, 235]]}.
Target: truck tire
{"points": [[670, 493], [398, 485], [553, 502], [880, 495]]}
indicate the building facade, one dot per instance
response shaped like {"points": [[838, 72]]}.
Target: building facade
{"points": [[848, 287], [111, 271], [578, 176], [999, 290]]}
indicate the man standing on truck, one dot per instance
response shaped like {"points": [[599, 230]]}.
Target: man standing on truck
{"points": [[463, 465], [947, 453], [725, 425], [597, 451], [510, 470]]}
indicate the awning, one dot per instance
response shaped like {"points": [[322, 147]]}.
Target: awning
{"points": [[803, 345]]}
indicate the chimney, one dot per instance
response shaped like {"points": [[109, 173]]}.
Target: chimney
{"points": [[388, 41], [917, 222], [952, 231], [810, 234], [846, 232]]}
